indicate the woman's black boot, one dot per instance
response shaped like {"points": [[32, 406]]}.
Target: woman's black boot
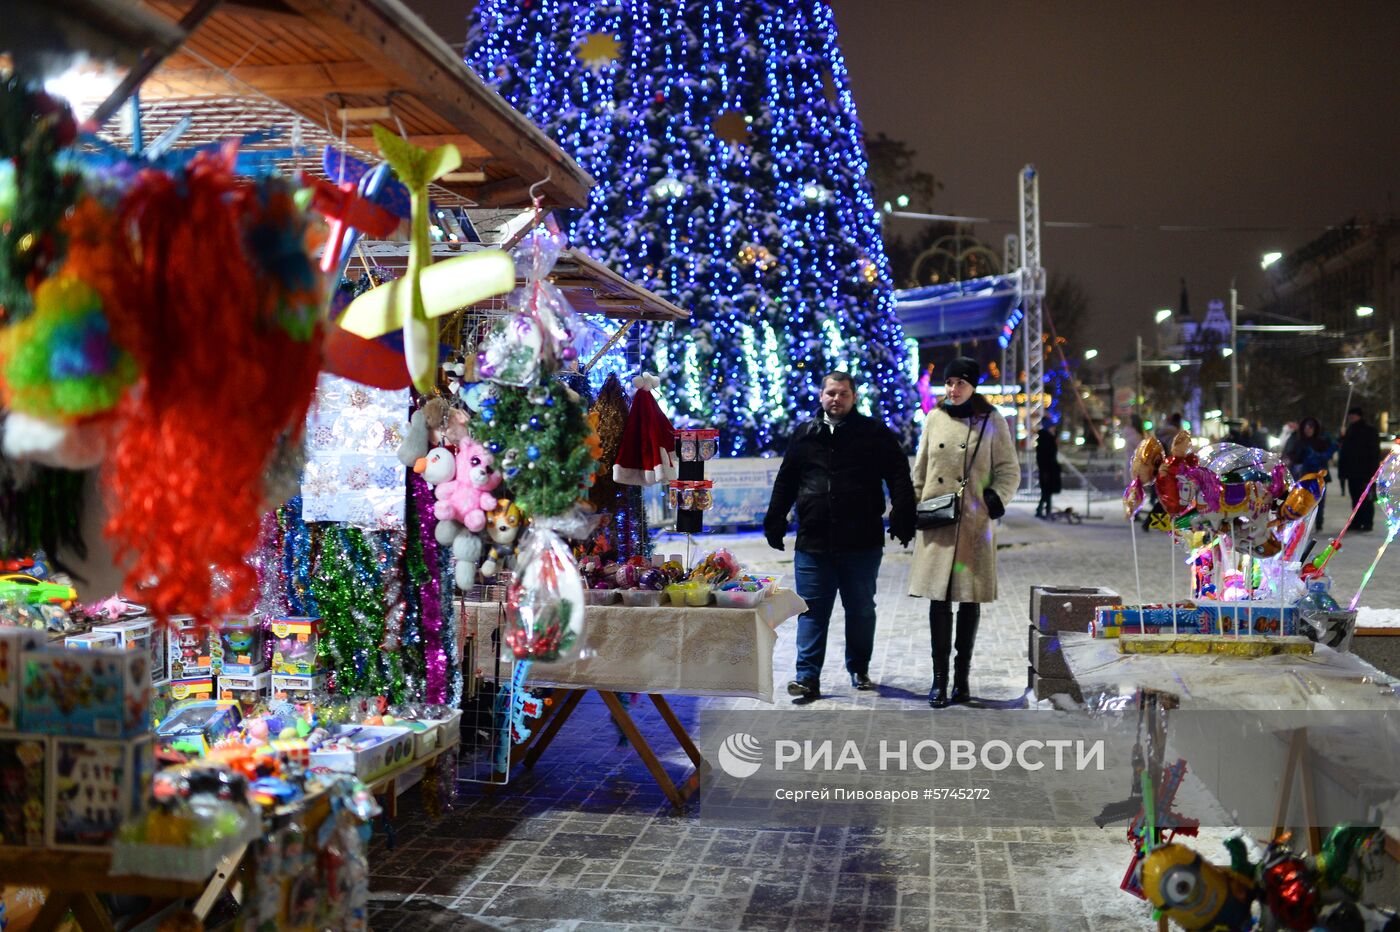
{"points": [[940, 626], [968, 615]]}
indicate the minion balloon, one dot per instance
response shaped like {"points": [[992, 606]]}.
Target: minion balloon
{"points": [[1194, 893]]}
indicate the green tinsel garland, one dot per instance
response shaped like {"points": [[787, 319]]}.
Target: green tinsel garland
{"points": [[538, 435], [349, 593]]}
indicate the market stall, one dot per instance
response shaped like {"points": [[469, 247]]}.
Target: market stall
{"points": [[270, 668], [1245, 680]]}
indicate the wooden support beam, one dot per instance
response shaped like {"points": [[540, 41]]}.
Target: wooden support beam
{"points": [[281, 81], [387, 33], [472, 151]]}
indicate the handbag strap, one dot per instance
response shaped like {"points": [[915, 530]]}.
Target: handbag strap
{"points": [[967, 464], [962, 487]]}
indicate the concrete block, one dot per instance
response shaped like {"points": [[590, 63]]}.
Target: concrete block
{"points": [[1044, 654], [1068, 608], [1047, 686]]}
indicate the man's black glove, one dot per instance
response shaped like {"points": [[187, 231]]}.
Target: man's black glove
{"points": [[902, 531], [774, 531], [995, 508]]}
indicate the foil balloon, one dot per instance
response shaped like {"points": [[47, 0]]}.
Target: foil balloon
{"points": [[1147, 459], [1304, 497], [1194, 893], [1170, 485], [1290, 889]]}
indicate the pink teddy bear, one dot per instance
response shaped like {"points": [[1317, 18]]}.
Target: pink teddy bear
{"points": [[467, 496]]}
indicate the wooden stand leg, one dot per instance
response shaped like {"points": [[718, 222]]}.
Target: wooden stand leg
{"points": [[551, 728], [92, 916], [1298, 760], [702, 766], [226, 871], [643, 749], [56, 906]]}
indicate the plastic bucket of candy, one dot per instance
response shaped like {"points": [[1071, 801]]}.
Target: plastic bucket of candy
{"points": [[738, 598], [640, 598], [600, 596]]}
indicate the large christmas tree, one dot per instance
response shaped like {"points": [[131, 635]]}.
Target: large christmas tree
{"points": [[731, 178]]}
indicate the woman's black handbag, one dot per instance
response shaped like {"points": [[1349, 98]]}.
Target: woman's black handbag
{"points": [[946, 510], [939, 511]]}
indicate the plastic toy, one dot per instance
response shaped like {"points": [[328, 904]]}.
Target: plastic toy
{"points": [[199, 726], [240, 644], [294, 644], [26, 588]]}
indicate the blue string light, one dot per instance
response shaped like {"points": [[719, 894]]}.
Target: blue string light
{"points": [[676, 204]]}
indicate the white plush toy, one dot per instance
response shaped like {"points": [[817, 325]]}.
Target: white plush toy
{"points": [[440, 466]]}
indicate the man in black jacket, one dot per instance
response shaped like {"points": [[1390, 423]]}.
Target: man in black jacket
{"points": [[1356, 464], [835, 470]]}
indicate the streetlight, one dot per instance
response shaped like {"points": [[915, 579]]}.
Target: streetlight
{"points": [[1269, 258], [1363, 310], [1163, 315], [1226, 352], [1174, 367], [1090, 354]]}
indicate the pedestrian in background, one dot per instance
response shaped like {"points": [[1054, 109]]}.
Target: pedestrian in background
{"points": [[966, 449], [1310, 450], [836, 469], [1047, 469], [1357, 462]]}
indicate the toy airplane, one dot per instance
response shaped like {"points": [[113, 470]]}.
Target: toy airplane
{"points": [[427, 291]]}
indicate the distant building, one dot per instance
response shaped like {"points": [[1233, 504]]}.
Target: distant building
{"points": [[1354, 265]]}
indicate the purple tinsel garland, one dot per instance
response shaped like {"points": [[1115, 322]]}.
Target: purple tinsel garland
{"points": [[434, 655]]}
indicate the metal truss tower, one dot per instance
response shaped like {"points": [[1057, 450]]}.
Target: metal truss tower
{"points": [[1032, 302]]}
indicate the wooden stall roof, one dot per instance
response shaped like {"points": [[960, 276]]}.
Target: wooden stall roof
{"points": [[341, 66]]}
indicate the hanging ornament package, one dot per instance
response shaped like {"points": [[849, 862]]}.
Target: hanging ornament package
{"points": [[544, 608]]}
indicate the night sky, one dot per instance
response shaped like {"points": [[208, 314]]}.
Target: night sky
{"points": [[1250, 114]]}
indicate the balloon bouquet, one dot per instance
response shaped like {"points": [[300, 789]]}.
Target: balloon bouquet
{"points": [[1236, 508]]}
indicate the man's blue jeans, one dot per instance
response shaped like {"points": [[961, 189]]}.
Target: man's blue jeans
{"points": [[820, 576]]}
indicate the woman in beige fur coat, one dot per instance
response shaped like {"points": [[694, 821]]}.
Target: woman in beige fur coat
{"points": [[967, 444]]}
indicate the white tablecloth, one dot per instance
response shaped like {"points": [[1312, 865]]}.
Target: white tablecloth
{"points": [[675, 651], [1322, 681]]}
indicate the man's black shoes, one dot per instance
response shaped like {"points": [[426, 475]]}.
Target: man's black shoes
{"points": [[804, 691], [861, 681]]}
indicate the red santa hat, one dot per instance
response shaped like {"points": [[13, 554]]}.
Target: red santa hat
{"points": [[647, 454]]}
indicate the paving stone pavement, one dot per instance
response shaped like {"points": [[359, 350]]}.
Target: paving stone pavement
{"points": [[586, 841]]}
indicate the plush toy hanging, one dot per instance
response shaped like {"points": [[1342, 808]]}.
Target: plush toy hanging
{"points": [[647, 453]]}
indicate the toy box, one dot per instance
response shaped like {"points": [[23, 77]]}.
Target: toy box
{"points": [[92, 693], [364, 750], [238, 648], [94, 786], [294, 643], [93, 640], [161, 702], [198, 726], [231, 685], [196, 688], [296, 688], [23, 776], [13, 643], [191, 652], [1196, 618]]}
